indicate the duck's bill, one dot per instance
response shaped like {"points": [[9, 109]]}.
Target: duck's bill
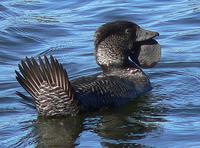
{"points": [[147, 54], [143, 35]]}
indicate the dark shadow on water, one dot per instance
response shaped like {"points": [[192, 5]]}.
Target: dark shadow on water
{"points": [[43, 132], [116, 127], [133, 122]]}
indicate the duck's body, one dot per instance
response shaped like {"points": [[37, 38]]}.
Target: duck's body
{"points": [[94, 93], [122, 80]]}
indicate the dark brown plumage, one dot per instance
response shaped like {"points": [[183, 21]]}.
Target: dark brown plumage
{"points": [[47, 82], [115, 41], [122, 80]]}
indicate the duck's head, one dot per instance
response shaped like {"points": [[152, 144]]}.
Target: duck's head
{"points": [[116, 41]]}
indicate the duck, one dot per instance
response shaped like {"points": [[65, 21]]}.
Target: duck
{"points": [[122, 49]]}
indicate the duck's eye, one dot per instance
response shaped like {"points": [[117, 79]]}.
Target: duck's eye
{"points": [[128, 30]]}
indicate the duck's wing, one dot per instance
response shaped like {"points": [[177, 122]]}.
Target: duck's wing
{"points": [[98, 93], [47, 82]]}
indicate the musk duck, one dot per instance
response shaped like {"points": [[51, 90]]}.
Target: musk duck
{"points": [[121, 49]]}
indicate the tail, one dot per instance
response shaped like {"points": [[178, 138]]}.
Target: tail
{"points": [[47, 82]]}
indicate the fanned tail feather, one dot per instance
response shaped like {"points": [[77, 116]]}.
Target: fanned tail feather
{"points": [[47, 82]]}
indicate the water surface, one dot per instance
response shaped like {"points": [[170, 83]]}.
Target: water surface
{"points": [[168, 116]]}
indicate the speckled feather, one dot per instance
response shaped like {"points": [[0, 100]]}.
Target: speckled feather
{"points": [[54, 95], [110, 91], [49, 86]]}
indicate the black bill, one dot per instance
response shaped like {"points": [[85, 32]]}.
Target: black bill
{"points": [[143, 35]]}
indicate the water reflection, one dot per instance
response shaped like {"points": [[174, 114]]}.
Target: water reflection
{"points": [[168, 117], [123, 127], [44, 132], [117, 126]]}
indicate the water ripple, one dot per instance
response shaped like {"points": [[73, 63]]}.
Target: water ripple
{"points": [[167, 116]]}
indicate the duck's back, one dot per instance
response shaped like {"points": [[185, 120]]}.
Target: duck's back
{"points": [[96, 92]]}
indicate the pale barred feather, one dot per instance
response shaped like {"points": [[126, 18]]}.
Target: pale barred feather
{"points": [[47, 82]]}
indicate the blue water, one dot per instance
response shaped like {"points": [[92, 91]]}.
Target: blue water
{"points": [[168, 116]]}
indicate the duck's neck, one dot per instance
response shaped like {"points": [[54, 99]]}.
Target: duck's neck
{"points": [[132, 73], [128, 65], [112, 52]]}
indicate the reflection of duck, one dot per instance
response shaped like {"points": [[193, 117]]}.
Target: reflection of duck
{"points": [[56, 132], [122, 80]]}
